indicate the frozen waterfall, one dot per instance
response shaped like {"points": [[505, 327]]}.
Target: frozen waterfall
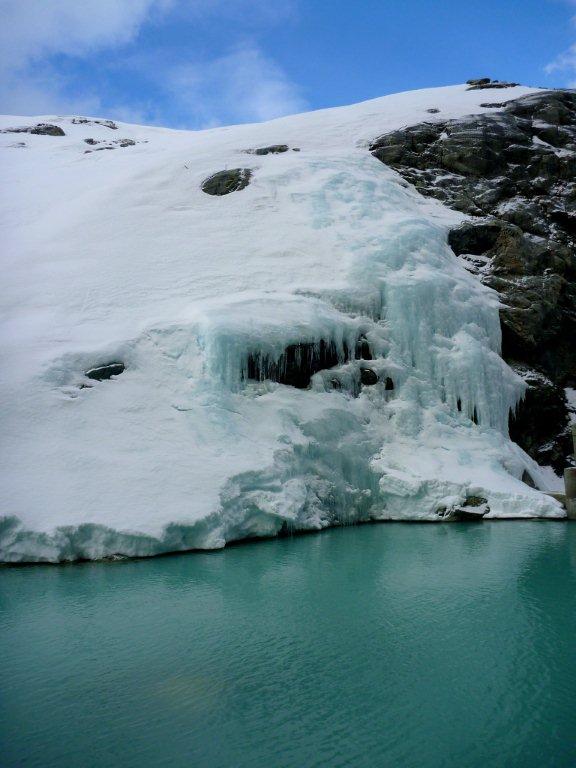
{"points": [[305, 352]]}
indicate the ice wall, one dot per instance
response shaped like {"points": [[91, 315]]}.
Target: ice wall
{"points": [[326, 265]]}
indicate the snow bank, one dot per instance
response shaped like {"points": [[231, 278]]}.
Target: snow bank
{"points": [[118, 256]]}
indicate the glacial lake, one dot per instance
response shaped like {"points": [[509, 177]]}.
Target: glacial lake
{"points": [[404, 645]]}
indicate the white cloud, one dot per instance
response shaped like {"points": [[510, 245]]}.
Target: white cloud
{"points": [[43, 94], [565, 61], [244, 85], [34, 29]]}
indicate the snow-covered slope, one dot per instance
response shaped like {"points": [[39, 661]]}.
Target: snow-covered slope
{"points": [[119, 255]]}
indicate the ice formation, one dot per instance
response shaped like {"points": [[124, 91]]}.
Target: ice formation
{"points": [[244, 323]]}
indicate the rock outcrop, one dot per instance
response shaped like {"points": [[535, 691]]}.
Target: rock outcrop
{"points": [[514, 173], [42, 129], [107, 145], [273, 149], [85, 121]]}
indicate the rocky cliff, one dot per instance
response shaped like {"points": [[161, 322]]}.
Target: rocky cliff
{"points": [[512, 171]]}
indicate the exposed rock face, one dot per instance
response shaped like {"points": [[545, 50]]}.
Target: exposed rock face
{"points": [[224, 182], [515, 171], [518, 164], [541, 424], [536, 278]]}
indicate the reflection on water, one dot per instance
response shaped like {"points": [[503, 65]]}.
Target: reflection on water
{"points": [[400, 645]]}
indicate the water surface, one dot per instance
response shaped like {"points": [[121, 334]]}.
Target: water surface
{"points": [[422, 646]]}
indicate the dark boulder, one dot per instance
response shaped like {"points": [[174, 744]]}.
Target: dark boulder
{"points": [[368, 377], [478, 81], [224, 182], [103, 372]]}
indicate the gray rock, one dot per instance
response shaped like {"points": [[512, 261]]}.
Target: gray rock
{"points": [[368, 377], [478, 81], [224, 182]]}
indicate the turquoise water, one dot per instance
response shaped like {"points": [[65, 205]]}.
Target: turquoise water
{"points": [[381, 645]]}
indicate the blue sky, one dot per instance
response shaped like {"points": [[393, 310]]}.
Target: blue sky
{"points": [[199, 63]]}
